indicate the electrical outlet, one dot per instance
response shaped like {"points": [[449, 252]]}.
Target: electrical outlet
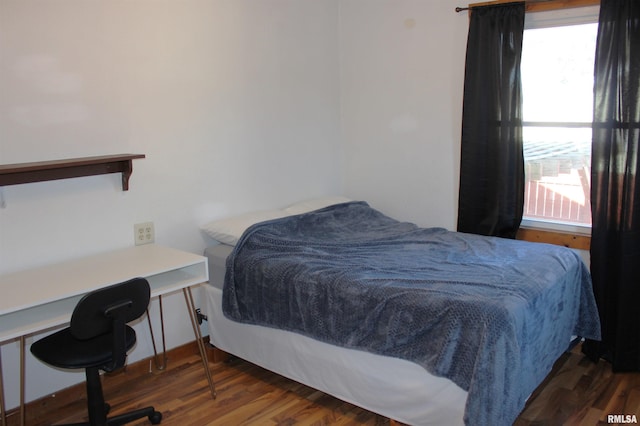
{"points": [[144, 233]]}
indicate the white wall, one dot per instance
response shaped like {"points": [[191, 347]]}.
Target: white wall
{"points": [[237, 104], [402, 70], [234, 102]]}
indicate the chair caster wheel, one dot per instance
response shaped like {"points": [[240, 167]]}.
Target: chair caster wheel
{"points": [[155, 418]]}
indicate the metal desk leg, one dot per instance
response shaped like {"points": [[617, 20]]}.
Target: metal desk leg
{"points": [[22, 405], [2, 406], [163, 365], [188, 297]]}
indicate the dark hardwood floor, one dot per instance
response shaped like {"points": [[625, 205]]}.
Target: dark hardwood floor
{"points": [[577, 392]]}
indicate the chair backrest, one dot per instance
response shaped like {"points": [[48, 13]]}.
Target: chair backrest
{"points": [[96, 313]]}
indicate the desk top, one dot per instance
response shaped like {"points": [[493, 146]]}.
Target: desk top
{"points": [[167, 270]]}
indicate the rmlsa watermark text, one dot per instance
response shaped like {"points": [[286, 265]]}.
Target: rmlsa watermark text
{"points": [[622, 418]]}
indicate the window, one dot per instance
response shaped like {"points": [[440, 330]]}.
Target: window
{"points": [[557, 83]]}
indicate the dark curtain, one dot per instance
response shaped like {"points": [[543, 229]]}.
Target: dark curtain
{"points": [[491, 194], [615, 185]]}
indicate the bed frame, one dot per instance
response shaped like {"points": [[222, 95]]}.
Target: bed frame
{"points": [[392, 387]]}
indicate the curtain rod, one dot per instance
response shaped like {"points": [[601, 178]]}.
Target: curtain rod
{"points": [[492, 3], [551, 4]]}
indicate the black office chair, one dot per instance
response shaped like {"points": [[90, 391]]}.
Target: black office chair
{"points": [[98, 338]]}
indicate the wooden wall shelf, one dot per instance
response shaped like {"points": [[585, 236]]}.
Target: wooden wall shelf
{"points": [[15, 174]]}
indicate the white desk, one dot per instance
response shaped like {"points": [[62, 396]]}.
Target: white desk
{"points": [[42, 298]]}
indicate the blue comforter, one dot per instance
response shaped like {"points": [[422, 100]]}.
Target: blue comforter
{"points": [[490, 314]]}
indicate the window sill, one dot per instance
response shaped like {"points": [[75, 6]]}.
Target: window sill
{"points": [[568, 239]]}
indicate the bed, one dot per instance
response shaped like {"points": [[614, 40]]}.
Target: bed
{"points": [[421, 325]]}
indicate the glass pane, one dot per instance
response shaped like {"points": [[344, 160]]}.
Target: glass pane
{"points": [[557, 80], [557, 73], [557, 174]]}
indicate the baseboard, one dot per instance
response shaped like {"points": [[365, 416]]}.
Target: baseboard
{"points": [[216, 355], [61, 398]]}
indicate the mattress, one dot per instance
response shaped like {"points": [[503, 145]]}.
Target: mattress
{"points": [[217, 257], [395, 388]]}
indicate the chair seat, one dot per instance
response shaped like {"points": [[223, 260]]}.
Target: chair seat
{"points": [[62, 350]]}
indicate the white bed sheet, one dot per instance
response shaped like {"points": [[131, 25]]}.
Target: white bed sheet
{"points": [[395, 388]]}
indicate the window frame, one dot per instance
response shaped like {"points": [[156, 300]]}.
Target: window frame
{"points": [[553, 14]]}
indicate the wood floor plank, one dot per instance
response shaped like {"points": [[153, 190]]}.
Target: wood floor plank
{"points": [[576, 392], [590, 417]]}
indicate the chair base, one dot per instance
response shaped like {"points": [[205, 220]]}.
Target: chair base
{"points": [[155, 417], [98, 409]]}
